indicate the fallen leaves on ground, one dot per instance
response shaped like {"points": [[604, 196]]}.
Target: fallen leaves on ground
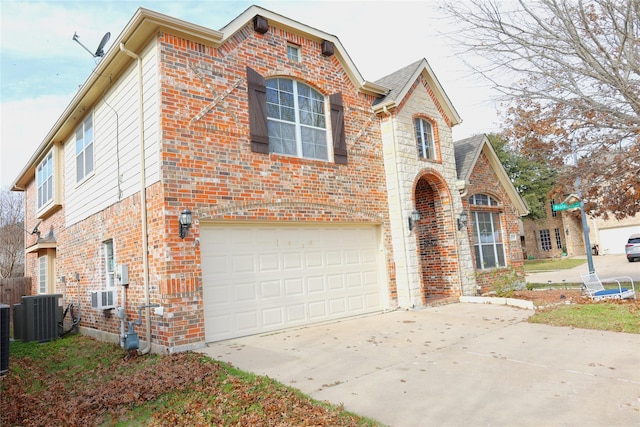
{"points": [[184, 389]]}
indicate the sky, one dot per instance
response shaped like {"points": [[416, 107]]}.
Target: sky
{"points": [[42, 67]]}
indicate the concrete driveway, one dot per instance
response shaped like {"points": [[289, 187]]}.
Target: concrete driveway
{"points": [[605, 266], [455, 365]]}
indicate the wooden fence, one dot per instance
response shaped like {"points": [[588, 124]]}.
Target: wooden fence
{"points": [[12, 290]]}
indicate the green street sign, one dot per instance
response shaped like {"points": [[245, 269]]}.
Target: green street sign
{"points": [[565, 206]]}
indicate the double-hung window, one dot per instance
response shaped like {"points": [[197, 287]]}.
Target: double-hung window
{"points": [[109, 264], [424, 138], [84, 149], [296, 119], [44, 178], [488, 245]]}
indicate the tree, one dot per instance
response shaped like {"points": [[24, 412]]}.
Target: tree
{"points": [[569, 75], [11, 234], [533, 179]]}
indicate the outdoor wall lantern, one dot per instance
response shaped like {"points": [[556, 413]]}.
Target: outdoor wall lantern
{"points": [[413, 219], [185, 219], [463, 220]]}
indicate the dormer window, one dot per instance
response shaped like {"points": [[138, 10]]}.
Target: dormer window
{"points": [[293, 53], [424, 138]]}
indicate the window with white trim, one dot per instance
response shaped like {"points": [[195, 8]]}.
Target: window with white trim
{"points": [[488, 242], [296, 119], [84, 149], [43, 269], [424, 138], [110, 267], [44, 179], [293, 53]]}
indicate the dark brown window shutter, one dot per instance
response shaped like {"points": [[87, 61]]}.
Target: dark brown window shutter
{"points": [[258, 112], [337, 128]]}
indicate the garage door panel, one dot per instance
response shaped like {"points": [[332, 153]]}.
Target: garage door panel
{"points": [[313, 259], [264, 278], [337, 306], [294, 287], [315, 284], [268, 262], [333, 258], [292, 260], [272, 317], [295, 313], [246, 321], [270, 289], [317, 310], [243, 263], [335, 282]]}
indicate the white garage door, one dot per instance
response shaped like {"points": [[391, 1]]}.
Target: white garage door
{"points": [[612, 240], [266, 277]]}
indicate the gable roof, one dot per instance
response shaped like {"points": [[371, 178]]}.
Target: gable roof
{"points": [[468, 150], [135, 36], [400, 82]]}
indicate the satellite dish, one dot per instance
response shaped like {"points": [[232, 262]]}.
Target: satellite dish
{"points": [[100, 50], [35, 229]]}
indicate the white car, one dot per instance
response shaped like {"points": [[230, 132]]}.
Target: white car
{"points": [[632, 248]]}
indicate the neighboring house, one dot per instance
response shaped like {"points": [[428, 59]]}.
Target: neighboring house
{"points": [[298, 178], [561, 233]]}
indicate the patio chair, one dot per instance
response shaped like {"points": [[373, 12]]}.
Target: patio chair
{"points": [[592, 285]]}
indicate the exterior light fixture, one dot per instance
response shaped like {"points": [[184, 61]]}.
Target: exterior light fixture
{"points": [[413, 219], [462, 220], [185, 219]]}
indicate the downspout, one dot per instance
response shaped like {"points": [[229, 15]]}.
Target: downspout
{"points": [[404, 240], [143, 200]]}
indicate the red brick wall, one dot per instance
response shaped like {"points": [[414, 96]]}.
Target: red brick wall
{"points": [[207, 165], [484, 180]]}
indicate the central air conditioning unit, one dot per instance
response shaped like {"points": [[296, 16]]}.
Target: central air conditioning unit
{"points": [[103, 300]]}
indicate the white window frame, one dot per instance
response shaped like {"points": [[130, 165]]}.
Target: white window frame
{"points": [[425, 138], [109, 264], [43, 270], [85, 158], [294, 53], [324, 132], [45, 181]]}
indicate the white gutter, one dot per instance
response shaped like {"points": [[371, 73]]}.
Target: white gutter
{"points": [[143, 200]]}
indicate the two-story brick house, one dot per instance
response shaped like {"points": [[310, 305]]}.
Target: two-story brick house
{"points": [[300, 178]]}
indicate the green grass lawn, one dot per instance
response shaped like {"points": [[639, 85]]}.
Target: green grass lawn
{"points": [[79, 381], [604, 316], [552, 264]]}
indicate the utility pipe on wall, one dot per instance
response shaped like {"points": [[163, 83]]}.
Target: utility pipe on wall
{"points": [[143, 200]]}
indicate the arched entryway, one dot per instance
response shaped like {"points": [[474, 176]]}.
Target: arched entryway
{"points": [[436, 245]]}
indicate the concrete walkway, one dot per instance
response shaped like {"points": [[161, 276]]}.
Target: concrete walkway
{"points": [[455, 365]]}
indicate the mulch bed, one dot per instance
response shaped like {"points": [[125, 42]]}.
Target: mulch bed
{"points": [[548, 297]]}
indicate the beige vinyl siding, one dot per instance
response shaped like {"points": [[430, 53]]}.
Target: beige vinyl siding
{"points": [[116, 144]]}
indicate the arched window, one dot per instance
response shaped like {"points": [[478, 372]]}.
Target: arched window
{"points": [[488, 243], [424, 138], [296, 119]]}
